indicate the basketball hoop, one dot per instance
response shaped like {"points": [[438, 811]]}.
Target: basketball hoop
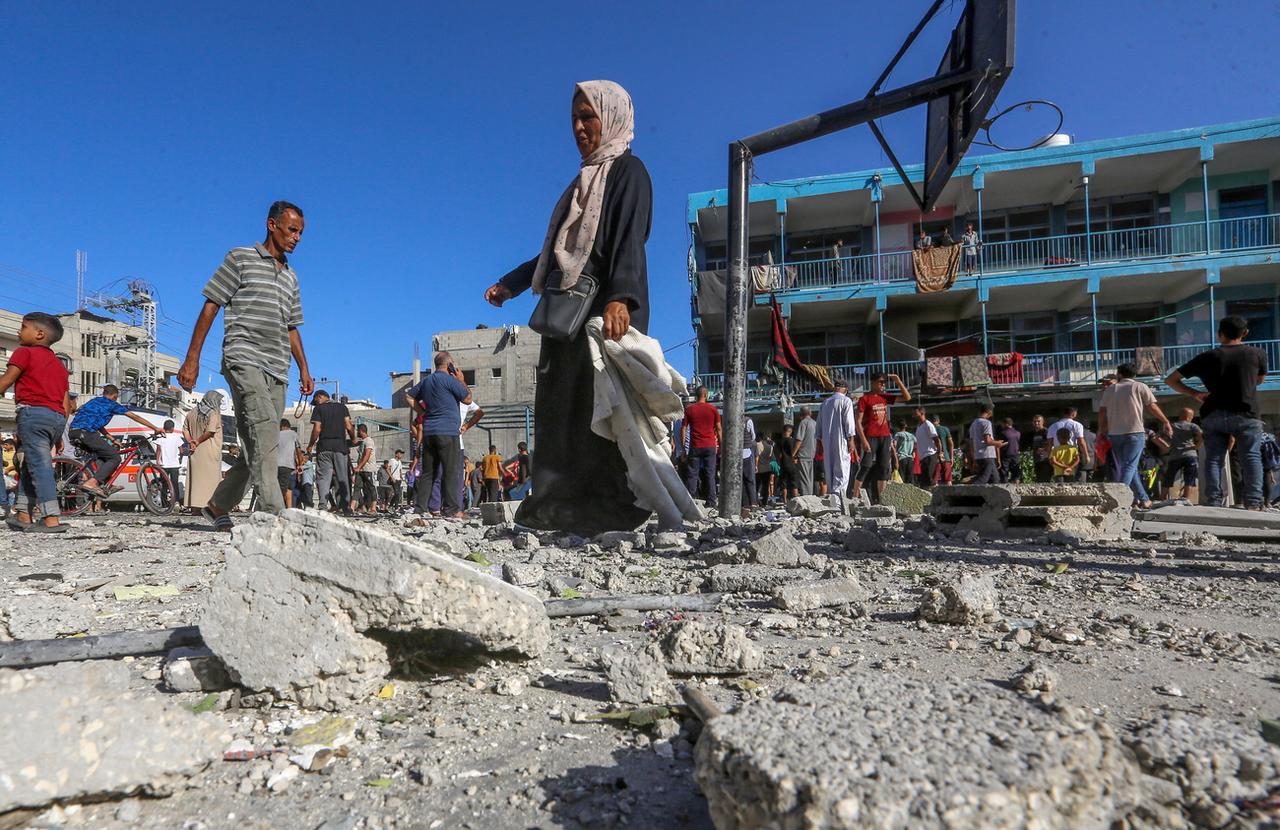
{"points": [[1028, 106]]}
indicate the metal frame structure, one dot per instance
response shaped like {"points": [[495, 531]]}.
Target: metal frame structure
{"points": [[949, 83]]}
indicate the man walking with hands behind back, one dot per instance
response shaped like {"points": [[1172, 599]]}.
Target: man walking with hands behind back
{"points": [[259, 291], [1229, 409]]}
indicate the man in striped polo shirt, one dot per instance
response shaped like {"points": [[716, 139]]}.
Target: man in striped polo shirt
{"points": [[259, 291]]}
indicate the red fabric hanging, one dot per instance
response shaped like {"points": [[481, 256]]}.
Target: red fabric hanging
{"points": [[784, 351], [1005, 368]]}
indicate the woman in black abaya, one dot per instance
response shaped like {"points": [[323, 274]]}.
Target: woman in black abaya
{"points": [[599, 226]]}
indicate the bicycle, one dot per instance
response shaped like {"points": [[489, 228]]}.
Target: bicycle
{"points": [[157, 492]]}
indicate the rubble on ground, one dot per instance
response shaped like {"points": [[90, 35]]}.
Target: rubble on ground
{"points": [[1086, 511], [325, 588], [1167, 643]]}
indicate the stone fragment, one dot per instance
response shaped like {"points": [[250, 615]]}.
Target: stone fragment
{"points": [[303, 595], [498, 512], [615, 539], [729, 554], [819, 593], [858, 540], [751, 579], [43, 617], [525, 541], [782, 622], [511, 686], [637, 677], [195, 670], [76, 731], [812, 507], [778, 548], [970, 600], [697, 647], [1036, 677], [878, 750], [523, 574], [905, 499]]}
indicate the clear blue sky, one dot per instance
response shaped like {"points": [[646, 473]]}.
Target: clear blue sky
{"points": [[427, 142]]}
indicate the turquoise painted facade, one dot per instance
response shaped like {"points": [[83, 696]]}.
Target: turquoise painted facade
{"points": [[1091, 251]]}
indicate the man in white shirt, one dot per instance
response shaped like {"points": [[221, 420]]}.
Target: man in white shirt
{"points": [[288, 455], [169, 456], [395, 478], [1070, 424], [983, 446], [928, 447], [837, 430]]}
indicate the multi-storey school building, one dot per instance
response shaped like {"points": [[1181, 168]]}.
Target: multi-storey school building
{"points": [[1093, 254]]}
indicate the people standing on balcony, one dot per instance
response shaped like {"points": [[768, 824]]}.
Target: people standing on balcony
{"points": [[1075, 432], [925, 241], [837, 430], [948, 451], [1120, 418], [972, 244], [701, 432], [947, 240], [1182, 457], [599, 227], [1010, 455], [1229, 409], [984, 446], [874, 434], [806, 451], [904, 445], [929, 447]]}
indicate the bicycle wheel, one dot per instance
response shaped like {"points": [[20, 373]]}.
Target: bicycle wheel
{"points": [[156, 490], [68, 474]]}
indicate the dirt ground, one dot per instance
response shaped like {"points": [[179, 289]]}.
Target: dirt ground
{"points": [[1130, 629]]}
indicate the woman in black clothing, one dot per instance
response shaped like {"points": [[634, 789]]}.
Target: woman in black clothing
{"points": [[599, 227]]}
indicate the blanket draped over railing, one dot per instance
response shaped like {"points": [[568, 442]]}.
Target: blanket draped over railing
{"points": [[935, 267]]}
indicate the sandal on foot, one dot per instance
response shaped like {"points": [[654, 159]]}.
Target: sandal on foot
{"points": [[14, 524], [41, 527], [222, 522]]}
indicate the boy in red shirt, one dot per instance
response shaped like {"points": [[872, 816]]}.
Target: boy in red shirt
{"points": [[41, 395], [878, 454]]}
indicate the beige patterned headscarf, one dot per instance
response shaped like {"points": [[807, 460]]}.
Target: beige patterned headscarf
{"points": [[572, 232]]}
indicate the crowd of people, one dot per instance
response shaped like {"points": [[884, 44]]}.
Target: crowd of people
{"points": [[847, 446]]}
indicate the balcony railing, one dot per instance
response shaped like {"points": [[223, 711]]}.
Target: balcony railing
{"points": [[1049, 253], [1052, 370]]}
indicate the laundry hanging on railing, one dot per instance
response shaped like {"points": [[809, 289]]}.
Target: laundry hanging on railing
{"points": [[786, 356], [935, 268], [973, 370], [939, 372], [1005, 367]]}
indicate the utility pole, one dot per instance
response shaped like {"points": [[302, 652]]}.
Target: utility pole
{"points": [[82, 266], [139, 301]]}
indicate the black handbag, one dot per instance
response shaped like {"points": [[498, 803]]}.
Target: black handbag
{"points": [[561, 312]]}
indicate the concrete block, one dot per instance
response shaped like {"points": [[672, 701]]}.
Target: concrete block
{"points": [[292, 610], [779, 548], [877, 750], [195, 670], [76, 731], [697, 647], [970, 600], [905, 499], [811, 594], [498, 512], [750, 579]]}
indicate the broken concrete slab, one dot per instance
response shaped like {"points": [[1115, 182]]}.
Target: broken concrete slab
{"points": [[498, 512], [750, 579], [697, 647], [1180, 530], [779, 548], [637, 677], [878, 750], [190, 669], [905, 499], [858, 540], [969, 600], [813, 507], [524, 574], [45, 617], [75, 731], [1092, 511], [1222, 522], [293, 610], [810, 594]]}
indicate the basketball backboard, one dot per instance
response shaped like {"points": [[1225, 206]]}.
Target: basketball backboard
{"points": [[982, 42]]}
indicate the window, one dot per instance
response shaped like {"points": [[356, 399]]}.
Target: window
{"points": [[496, 373], [840, 347], [811, 245], [929, 335], [716, 257], [89, 345], [469, 377]]}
